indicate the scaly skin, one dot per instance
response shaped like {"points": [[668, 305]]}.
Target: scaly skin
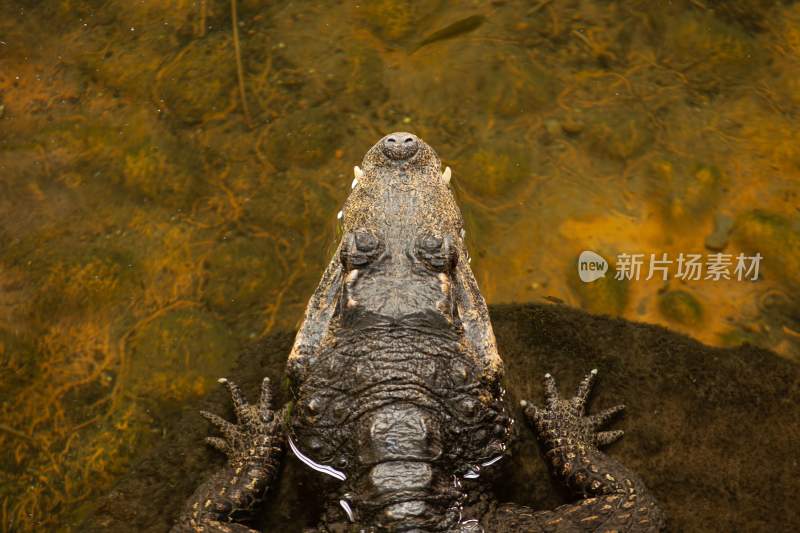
{"points": [[254, 447], [397, 385]]}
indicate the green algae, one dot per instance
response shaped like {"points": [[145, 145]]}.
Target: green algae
{"points": [[605, 296], [776, 238], [680, 307]]}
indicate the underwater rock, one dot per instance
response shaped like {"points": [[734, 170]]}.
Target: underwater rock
{"points": [[712, 54], [684, 191], [393, 20], [605, 296], [680, 307], [775, 238], [553, 128], [573, 125], [619, 133], [722, 229], [693, 415]]}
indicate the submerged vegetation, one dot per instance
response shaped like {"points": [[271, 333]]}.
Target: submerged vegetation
{"points": [[169, 186]]}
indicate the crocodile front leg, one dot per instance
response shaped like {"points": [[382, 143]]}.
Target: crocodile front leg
{"points": [[611, 497], [254, 446]]}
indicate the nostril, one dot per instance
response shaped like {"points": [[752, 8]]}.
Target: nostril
{"points": [[400, 146]]}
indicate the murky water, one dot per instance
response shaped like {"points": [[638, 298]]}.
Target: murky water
{"points": [[168, 187]]}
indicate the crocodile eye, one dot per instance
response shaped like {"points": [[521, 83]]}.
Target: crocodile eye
{"points": [[366, 242], [431, 243], [359, 248], [437, 253]]}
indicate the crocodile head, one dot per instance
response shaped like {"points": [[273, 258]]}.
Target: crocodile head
{"points": [[402, 236], [394, 369]]}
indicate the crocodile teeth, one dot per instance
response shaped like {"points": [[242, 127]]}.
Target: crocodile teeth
{"points": [[355, 182], [358, 173], [339, 215], [446, 175]]}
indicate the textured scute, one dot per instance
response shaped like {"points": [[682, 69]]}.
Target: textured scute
{"points": [[400, 409]]}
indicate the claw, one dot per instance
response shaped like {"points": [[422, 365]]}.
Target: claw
{"points": [[604, 438], [600, 419], [534, 414], [225, 427], [239, 403], [219, 444], [584, 389], [265, 401], [550, 389]]}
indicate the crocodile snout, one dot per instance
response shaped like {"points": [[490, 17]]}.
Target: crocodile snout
{"points": [[400, 146]]}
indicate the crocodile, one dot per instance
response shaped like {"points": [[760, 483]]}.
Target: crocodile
{"points": [[396, 386]]}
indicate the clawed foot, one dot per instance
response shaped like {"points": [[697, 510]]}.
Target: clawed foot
{"points": [[561, 422], [257, 434]]}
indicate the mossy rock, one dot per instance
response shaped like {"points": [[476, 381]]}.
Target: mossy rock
{"points": [[606, 295], [619, 132], [680, 307], [179, 354], [712, 54], [776, 238], [394, 20], [685, 191]]}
